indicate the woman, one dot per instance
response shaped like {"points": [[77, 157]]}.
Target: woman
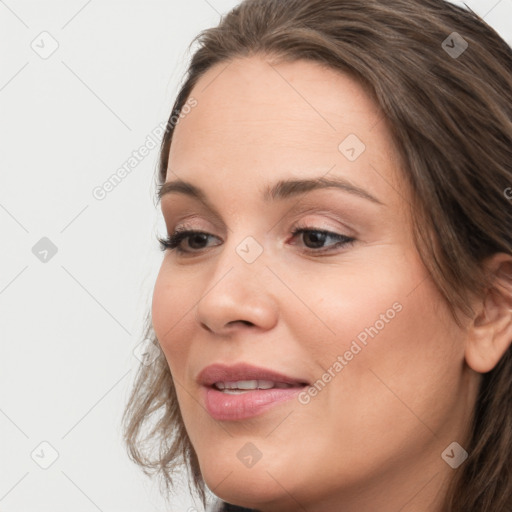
{"points": [[334, 307]]}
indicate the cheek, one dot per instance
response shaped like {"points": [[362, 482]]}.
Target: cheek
{"points": [[357, 303], [407, 374], [393, 346], [171, 310]]}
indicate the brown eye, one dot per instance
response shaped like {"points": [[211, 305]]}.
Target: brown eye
{"points": [[195, 240], [314, 239]]}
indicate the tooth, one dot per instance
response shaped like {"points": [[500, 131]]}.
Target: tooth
{"points": [[265, 384], [247, 384]]}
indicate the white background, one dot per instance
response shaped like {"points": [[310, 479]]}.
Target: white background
{"points": [[69, 326]]}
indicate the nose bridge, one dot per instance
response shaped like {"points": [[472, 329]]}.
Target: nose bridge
{"points": [[244, 252], [240, 288]]}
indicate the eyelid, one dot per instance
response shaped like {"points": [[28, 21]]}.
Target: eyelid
{"points": [[328, 221], [184, 225], [299, 213]]}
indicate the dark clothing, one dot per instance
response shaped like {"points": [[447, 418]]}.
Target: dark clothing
{"points": [[234, 508], [222, 506]]}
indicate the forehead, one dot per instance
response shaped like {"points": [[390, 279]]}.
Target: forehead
{"points": [[255, 95], [256, 117]]}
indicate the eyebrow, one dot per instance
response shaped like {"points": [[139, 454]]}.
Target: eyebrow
{"points": [[283, 189]]}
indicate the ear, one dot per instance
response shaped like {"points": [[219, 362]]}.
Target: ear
{"points": [[490, 331]]}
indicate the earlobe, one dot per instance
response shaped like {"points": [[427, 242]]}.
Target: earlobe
{"points": [[490, 332]]}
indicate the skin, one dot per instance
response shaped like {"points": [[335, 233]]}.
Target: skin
{"points": [[372, 438]]}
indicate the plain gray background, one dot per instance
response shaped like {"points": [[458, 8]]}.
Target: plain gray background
{"points": [[70, 321]]}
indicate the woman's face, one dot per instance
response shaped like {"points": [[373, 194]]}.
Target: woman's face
{"points": [[352, 313]]}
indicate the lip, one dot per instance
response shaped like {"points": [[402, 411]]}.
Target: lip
{"points": [[235, 407], [242, 371]]}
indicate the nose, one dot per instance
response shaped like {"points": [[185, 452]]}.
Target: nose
{"points": [[238, 294]]}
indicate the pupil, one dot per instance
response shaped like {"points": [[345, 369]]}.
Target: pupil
{"points": [[320, 238], [195, 237]]}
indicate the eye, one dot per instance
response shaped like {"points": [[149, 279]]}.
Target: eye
{"points": [[173, 241], [314, 239]]}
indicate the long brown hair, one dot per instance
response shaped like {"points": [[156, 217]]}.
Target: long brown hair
{"points": [[443, 80]]}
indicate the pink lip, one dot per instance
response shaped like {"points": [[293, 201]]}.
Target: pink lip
{"points": [[231, 407]]}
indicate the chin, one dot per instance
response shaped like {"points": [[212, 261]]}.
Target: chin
{"points": [[252, 487]]}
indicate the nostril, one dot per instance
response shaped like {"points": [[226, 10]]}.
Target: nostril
{"points": [[245, 322]]}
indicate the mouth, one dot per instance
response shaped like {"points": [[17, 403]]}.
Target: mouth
{"points": [[243, 391], [245, 386]]}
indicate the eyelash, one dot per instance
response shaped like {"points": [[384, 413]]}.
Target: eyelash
{"points": [[172, 242]]}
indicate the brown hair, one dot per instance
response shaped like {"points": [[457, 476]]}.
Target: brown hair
{"points": [[451, 118]]}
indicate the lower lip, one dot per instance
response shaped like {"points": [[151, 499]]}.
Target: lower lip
{"points": [[224, 406]]}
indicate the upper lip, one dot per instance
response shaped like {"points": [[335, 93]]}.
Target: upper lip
{"points": [[242, 371]]}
